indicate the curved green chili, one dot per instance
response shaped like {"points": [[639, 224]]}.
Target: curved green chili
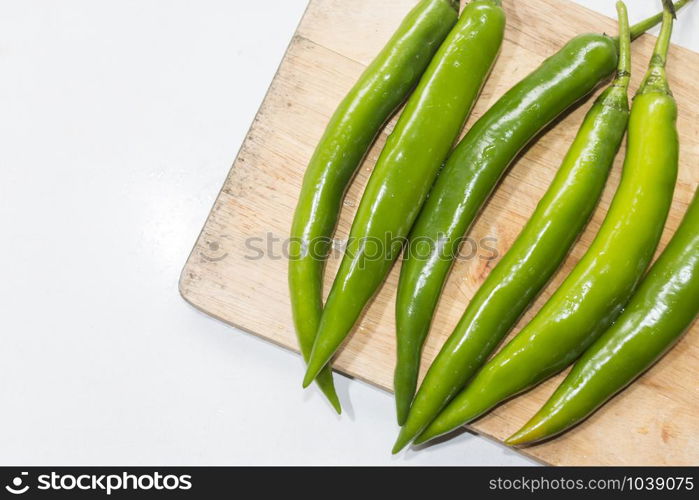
{"points": [[663, 308], [599, 286], [468, 179], [406, 169], [380, 90], [526, 268]]}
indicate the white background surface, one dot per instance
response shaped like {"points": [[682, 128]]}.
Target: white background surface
{"points": [[118, 124]]}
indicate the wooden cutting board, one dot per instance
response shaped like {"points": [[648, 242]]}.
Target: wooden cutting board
{"points": [[237, 270]]}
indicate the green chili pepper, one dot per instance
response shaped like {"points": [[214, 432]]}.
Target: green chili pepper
{"points": [[380, 90], [468, 179], [526, 268], [597, 289], [665, 305], [406, 169]]}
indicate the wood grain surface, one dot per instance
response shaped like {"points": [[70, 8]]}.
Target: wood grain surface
{"points": [[237, 270]]}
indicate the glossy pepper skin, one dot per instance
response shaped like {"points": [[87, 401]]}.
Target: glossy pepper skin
{"points": [[665, 305], [468, 179], [406, 169], [528, 265], [380, 90], [600, 285]]}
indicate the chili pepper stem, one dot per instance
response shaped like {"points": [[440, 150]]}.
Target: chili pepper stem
{"points": [[624, 71], [662, 46], [655, 79], [640, 28]]}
